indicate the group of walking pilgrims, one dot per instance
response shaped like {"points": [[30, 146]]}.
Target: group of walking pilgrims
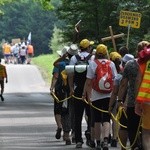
{"points": [[17, 53], [112, 92]]}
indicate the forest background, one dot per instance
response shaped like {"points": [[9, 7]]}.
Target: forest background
{"points": [[52, 24]]}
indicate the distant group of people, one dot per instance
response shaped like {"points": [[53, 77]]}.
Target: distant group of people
{"points": [[99, 85], [17, 53]]}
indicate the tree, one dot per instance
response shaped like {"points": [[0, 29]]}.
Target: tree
{"points": [[22, 17], [98, 15]]}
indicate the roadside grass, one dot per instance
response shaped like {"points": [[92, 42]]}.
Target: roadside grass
{"points": [[45, 65]]}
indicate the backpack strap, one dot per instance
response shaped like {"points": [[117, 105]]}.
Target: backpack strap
{"points": [[85, 58], [88, 57], [78, 57]]}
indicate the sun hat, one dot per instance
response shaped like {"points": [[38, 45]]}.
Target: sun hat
{"points": [[85, 43], [63, 51], [114, 56], [127, 57], [101, 49], [73, 49]]}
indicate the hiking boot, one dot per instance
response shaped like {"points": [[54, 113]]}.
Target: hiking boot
{"points": [[79, 145], [58, 133], [114, 143], [2, 98]]}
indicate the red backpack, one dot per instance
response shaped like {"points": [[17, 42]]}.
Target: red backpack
{"points": [[103, 82]]}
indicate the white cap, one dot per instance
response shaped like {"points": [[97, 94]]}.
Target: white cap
{"points": [[127, 57]]}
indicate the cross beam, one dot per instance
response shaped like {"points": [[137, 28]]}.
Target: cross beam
{"points": [[112, 37]]}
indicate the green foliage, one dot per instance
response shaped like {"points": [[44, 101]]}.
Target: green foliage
{"points": [[46, 4], [98, 15], [45, 64], [147, 36], [56, 42], [22, 17]]}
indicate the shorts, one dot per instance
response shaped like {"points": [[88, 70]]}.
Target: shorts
{"points": [[99, 116]]}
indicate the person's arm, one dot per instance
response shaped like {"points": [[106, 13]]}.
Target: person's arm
{"points": [[87, 91], [6, 74], [138, 105], [53, 82], [113, 97], [122, 90]]}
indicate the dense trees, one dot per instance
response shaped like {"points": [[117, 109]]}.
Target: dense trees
{"points": [[22, 17], [98, 15]]}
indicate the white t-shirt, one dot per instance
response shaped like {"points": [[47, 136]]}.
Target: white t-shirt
{"points": [[73, 59], [91, 75]]}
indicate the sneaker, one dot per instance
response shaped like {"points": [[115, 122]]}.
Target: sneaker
{"points": [[79, 145], [58, 133], [114, 143], [2, 98]]}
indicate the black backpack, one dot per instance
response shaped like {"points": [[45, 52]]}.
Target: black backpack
{"points": [[80, 77]]}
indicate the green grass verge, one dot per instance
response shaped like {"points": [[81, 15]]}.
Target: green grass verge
{"points": [[45, 65]]}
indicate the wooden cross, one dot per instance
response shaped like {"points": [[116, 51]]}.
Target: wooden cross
{"points": [[112, 37]]}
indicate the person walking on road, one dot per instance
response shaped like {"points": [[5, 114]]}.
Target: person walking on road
{"points": [[142, 106], [98, 93], [3, 75], [76, 82], [128, 84]]}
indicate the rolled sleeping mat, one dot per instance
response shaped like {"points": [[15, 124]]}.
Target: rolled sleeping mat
{"points": [[77, 68]]}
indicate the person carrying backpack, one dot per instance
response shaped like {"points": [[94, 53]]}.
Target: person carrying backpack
{"points": [[62, 92], [98, 87], [128, 85], [76, 82], [122, 131]]}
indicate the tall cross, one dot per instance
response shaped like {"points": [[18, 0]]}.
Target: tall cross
{"points": [[112, 37]]}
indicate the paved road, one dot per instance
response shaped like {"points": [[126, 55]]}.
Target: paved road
{"points": [[26, 115]]}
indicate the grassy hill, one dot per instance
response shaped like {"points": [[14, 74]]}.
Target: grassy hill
{"points": [[45, 65]]}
